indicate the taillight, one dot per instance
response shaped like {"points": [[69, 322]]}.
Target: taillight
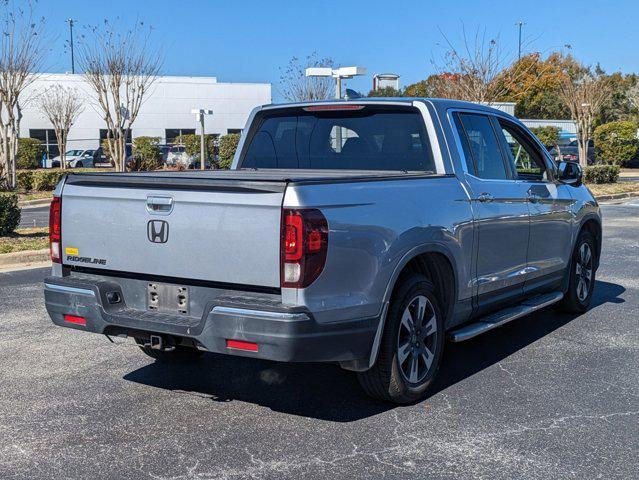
{"points": [[304, 247], [55, 229]]}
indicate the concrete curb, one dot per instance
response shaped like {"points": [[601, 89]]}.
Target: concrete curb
{"points": [[617, 196], [26, 257], [40, 202]]}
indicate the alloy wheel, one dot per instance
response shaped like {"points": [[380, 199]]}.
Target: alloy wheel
{"points": [[417, 339], [583, 271]]}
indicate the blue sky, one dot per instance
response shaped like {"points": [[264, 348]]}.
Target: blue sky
{"points": [[248, 41]]}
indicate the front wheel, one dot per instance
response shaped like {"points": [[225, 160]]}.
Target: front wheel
{"points": [[411, 347], [582, 275]]}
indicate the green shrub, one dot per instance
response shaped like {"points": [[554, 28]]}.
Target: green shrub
{"points": [[602, 173], [547, 135], [192, 146], [146, 154], [228, 145], [25, 179], [29, 154], [46, 179], [9, 213], [616, 143]]}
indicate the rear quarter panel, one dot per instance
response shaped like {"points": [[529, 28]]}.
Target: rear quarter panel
{"points": [[373, 228]]}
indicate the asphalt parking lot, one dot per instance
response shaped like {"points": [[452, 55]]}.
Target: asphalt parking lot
{"points": [[548, 396]]}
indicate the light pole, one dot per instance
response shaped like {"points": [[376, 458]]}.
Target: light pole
{"points": [[520, 25], [199, 115], [70, 22], [337, 73]]}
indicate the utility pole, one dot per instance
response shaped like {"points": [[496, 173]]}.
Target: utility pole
{"points": [[520, 25], [70, 22], [199, 115]]}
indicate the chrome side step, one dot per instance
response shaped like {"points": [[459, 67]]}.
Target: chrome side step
{"points": [[504, 316]]}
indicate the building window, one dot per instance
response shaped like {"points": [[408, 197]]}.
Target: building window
{"points": [[105, 133], [48, 139], [234, 130], [170, 134]]}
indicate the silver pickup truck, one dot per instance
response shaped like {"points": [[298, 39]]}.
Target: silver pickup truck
{"points": [[362, 232]]}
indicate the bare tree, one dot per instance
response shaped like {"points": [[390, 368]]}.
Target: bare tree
{"points": [[120, 68], [61, 106], [480, 71], [295, 86], [632, 94], [21, 54], [584, 92]]}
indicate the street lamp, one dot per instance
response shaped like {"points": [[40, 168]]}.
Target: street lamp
{"points": [[337, 73], [70, 21], [199, 115]]}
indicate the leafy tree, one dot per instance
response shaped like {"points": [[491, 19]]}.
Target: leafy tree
{"points": [[146, 154], [29, 153], [618, 106], [616, 142], [435, 86], [584, 92], [228, 146], [419, 89], [537, 93], [548, 135], [385, 92], [192, 145]]}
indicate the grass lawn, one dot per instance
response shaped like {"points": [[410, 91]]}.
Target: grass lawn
{"points": [[612, 188], [23, 197], [25, 239]]}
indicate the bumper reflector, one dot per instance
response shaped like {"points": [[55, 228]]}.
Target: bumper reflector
{"points": [[77, 320], [240, 345]]}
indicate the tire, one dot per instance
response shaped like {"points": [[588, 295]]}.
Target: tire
{"points": [[179, 354], [582, 275], [390, 379], [78, 165]]}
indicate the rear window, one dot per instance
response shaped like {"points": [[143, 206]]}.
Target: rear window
{"points": [[373, 138]]}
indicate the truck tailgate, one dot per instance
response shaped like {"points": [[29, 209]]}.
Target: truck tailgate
{"points": [[225, 232]]}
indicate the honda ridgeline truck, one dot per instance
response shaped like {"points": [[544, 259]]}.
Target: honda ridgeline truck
{"points": [[360, 232]]}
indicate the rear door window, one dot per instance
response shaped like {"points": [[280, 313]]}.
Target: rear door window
{"points": [[479, 141], [370, 138]]}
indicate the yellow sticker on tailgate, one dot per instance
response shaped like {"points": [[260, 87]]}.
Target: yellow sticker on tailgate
{"points": [[71, 251]]}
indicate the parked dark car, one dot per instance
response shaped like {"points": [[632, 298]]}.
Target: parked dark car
{"points": [[100, 158], [570, 152]]}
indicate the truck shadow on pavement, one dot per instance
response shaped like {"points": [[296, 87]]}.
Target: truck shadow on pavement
{"points": [[325, 391]]}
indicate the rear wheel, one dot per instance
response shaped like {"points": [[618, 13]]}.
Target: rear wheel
{"points": [[582, 275], [411, 346], [180, 353]]}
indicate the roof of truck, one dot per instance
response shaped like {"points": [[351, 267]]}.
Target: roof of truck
{"points": [[439, 103]]}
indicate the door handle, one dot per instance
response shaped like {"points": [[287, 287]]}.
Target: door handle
{"points": [[159, 205], [485, 197]]}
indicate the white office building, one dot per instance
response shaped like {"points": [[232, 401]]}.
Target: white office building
{"points": [[166, 112]]}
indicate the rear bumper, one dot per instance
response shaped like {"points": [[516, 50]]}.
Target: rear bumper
{"points": [[288, 334]]}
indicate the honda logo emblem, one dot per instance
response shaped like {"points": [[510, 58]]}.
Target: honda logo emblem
{"points": [[157, 231]]}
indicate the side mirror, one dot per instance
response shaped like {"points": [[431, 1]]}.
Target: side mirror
{"points": [[569, 173]]}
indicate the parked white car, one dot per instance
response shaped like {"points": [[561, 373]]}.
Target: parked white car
{"points": [[74, 159], [177, 156]]}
